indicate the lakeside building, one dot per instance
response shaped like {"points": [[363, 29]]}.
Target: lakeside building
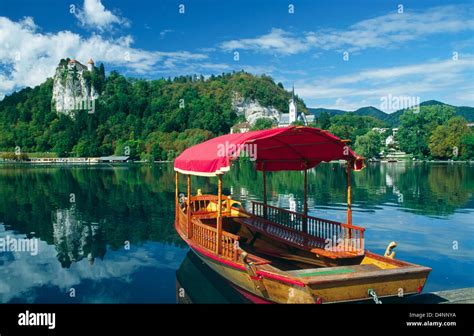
{"points": [[240, 128], [389, 141], [82, 160], [394, 155]]}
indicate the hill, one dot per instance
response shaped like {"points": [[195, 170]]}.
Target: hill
{"points": [[371, 111], [393, 119], [149, 119], [317, 111]]}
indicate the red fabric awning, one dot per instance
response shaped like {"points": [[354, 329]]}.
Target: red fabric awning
{"points": [[288, 148]]}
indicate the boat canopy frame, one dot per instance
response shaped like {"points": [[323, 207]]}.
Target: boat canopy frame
{"points": [[294, 148], [277, 149]]}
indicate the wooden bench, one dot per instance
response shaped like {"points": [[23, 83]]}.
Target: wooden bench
{"points": [[293, 237]]}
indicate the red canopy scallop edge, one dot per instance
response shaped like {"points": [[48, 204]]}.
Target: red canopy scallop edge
{"points": [[288, 148]]}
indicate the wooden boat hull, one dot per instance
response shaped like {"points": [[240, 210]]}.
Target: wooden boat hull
{"points": [[326, 288], [197, 283], [338, 291], [384, 283], [268, 289]]}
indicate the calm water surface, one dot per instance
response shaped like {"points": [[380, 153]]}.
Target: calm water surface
{"points": [[106, 232]]}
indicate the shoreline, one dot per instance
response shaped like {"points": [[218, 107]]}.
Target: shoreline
{"points": [[65, 162], [30, 163]]}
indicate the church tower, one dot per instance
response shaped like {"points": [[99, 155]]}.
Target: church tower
{"points": [[292, 108], [90, 65]]}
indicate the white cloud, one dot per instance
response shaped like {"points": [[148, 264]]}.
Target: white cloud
{"points": [[278, 41], [430, 80], [386, 31], [28, 57], [23, 273], [94, 15], [389, 31], [164, 32]]}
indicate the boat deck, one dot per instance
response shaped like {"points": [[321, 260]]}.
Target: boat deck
{"points": [[322, 242], [293, 237], [316, 275], [317, 272]]}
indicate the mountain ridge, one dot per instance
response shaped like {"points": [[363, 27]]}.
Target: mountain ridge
{"points": [[393, 119]]}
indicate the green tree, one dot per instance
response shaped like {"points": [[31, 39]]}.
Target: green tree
{"points": [[369, 145], [416, 127], [467, 143], [323, 121], [446, 141], [262, 123], [349, 126], [297, 123]]}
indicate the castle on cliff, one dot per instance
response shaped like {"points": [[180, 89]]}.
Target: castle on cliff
{"points": [[72, 87]]}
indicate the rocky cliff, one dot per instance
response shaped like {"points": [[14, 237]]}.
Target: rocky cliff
{"points": [[253, 110], [72, 88]]}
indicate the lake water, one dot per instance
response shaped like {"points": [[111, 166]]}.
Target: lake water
{"points": [[105, 233]]}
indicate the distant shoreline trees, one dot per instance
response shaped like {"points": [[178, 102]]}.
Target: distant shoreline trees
{"points": [[433, 132]]}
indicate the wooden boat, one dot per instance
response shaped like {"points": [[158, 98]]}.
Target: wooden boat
{"points": [[279, 255]]}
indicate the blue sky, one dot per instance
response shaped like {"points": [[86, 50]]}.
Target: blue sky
{"points": [[338, 54]]}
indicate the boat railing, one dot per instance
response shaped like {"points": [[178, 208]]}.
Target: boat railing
{"points": [[206, 236], [183, 221], [330, 235], [230, 245]]}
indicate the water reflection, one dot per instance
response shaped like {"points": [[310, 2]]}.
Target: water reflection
{"points": [[143, 274], [197, 283], [110, 206], [424, 207], [75, 240], [432, 189]]}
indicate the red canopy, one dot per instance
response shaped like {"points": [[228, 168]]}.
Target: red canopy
{"points": [[288, 148]]}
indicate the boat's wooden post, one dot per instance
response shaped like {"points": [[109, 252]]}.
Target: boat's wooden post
{"points": [[227, 203], [176, 203], [219, 214], [305, 217], [349, 210], [189, 208], [264, 193]]}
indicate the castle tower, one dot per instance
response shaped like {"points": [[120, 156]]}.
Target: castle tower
{"points": [[292, 108], [90, 65]]}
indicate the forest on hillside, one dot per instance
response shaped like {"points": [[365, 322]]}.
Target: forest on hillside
{"points": [[148, 120]]}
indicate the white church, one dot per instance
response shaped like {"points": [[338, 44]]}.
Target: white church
{"points": [[281, 119], [286, 119]]}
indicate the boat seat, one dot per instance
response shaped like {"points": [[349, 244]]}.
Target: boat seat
{"points": [[317, 272], [293, 237], [208, 214]]}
